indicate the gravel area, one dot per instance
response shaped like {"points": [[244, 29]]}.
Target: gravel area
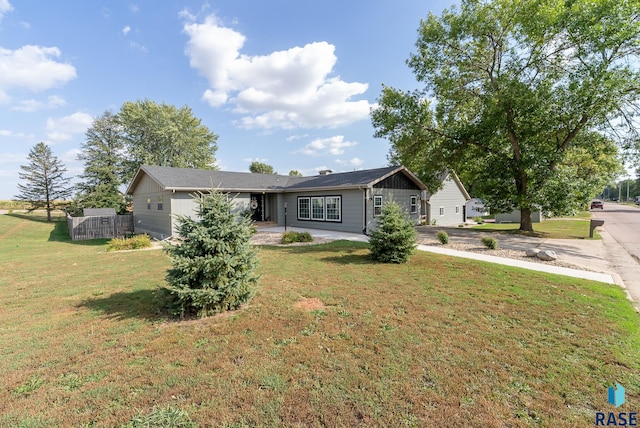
{"points": [[273, 238], [500, 252]]}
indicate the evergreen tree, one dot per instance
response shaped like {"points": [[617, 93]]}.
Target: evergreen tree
{"points": [[102, 154], [394, 239], [214, 265], [45, 179]]}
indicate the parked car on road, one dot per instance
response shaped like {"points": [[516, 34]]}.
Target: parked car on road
{"points": [[597, 204]]}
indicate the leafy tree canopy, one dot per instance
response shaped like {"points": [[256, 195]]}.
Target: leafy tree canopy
{"points": [[295, 173], [520, 98], [45, 179], [261, 168], [161, 134]]}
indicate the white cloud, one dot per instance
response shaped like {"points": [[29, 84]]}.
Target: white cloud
{"points": [[355, 162], [133, 8], [25, 25], [34, 68], [138, 46], [327, 146], [283, 89], [53, 101], [5, 7], [64, 128], [126, 30]]}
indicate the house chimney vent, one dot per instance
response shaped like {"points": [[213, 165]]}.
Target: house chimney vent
{"points": [[325, 172]]}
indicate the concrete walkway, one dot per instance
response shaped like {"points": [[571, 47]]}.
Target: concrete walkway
{"points": [[606, 260]]}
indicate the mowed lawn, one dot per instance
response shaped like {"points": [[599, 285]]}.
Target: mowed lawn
{"points": [[331, 339], [563, 228]]}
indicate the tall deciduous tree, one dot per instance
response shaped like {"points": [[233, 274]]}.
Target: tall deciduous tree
{"points": [[45, 179], [513, 94], [103, 157], [161, 134], [295, 173], [261, 168]]}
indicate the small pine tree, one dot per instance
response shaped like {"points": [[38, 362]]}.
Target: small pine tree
{"points": [[395, 238], [214, 265], [45, 179]]}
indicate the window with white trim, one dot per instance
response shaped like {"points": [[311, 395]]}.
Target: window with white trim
{"points": [[317, 208], [320, 208], [304, 209], [457, 209], [377, 205], [414, 204], [441, 211], [333, 204]]}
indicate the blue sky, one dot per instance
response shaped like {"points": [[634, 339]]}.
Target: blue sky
{"points": [[285, 82]]}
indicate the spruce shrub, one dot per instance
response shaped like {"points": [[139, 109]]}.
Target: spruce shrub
{"points": [[491, 243], [443, 237], [394, 239], [291, 237], [214, 264]]}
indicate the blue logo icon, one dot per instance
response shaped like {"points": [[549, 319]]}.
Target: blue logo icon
{"points": [[616, 395]]}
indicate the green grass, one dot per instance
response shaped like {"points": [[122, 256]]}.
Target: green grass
{"points": [[574, 228], [435, 342]]}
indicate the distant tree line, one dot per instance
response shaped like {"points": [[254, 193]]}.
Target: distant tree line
{"points": [[116, 145]]}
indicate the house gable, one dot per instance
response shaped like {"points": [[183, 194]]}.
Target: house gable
{"points": [[397, 181]]}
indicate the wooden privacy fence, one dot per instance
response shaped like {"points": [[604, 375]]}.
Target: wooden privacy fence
{"points": [[93, 227]]}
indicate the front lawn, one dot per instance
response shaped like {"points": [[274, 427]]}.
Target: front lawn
{"points": [[573, 228], [331, 339]]}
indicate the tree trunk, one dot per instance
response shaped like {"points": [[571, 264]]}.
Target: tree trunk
{"points": [[525, 220]]}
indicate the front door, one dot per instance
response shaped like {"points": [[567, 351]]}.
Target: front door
{"points": [[256, 205]]}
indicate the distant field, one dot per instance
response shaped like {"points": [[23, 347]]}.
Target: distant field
{"points": [[331, 339], [19, 205]]}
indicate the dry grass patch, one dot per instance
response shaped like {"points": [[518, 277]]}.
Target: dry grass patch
{"points": [[309, 304], [435, 342]]}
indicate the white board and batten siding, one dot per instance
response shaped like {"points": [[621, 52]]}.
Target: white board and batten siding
{"points": [[446, 206]]}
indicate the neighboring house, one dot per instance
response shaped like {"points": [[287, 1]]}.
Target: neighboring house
{"points": [[475, 208], [514, 217], [346, 202], [446, 206]]}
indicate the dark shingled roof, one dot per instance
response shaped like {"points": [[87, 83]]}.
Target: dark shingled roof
{"points": [[188, 179]]}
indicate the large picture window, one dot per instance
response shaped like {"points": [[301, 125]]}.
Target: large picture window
{"points": [[320, 208]]}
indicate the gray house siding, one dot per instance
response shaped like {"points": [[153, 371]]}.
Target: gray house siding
{"points": [[151, 208], [446, 206], [351, 218], [401, 197], [359, 194]]}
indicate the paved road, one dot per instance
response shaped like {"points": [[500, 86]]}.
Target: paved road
{"points": [[622, 222]]}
